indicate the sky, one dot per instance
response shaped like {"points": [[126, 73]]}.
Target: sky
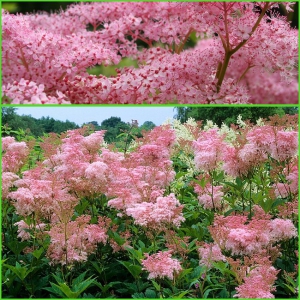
{"points": [[80, 115]]}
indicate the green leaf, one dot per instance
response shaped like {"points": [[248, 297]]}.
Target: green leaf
{"points": [[278, 202], [137, 254], [38, 252], [239, 183], [16, 247], [20, 271], [82, 286], [98, 268], [41, 283], [150, 294], [106, 287], [120, 241], [181, 295], [55, 290], [156, 285], [138, 296], [78, 279], [66, 290], [184, 273], [81, 207], [206, 293], [133, 269]]}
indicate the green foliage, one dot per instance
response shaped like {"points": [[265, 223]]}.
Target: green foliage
{"points": [[109, 71], [13, 123], [228, 115], [62, 290]]}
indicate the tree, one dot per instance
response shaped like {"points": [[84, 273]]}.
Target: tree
{"points": [[37, 127], [114, 126], [8, 114], [147, 125], [228, 115]]}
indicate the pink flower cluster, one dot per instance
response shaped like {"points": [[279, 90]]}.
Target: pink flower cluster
{"points": [[8, 179], [208, 149], [152, 215], [43, 198], [238, 159], [161, 265], [13, 154], [210, 253], [210, 196], [279, 144], [247, 237], [75, 240], [290, 187], [138, 181], [23, 229], [241, 56], [259, 279], [79, 166]]}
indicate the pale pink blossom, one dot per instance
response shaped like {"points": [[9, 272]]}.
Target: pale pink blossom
{"points": [[259, 283], [23, 229], [161, 265], [282, 229], [210, 196], [14, 154], [208, 149], [210, 253], [8, 179], [166, 210], [46, 57], [75, 240]]}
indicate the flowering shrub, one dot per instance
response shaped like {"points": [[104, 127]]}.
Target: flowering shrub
{"points": [[162, 218], [245, 53]]}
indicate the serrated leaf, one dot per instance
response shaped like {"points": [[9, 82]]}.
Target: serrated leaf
{"points": [[137, 254], [82, 286], [156, 285], [20, 271], [150, 294], [66, 290], [78, 279], [138, 296], [55, 290]]}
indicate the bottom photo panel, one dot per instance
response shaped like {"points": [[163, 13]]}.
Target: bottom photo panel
{"points": [[150, 202]]}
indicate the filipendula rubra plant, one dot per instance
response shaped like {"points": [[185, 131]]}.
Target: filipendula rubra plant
{"points": [[246, 53], [184, 210]]}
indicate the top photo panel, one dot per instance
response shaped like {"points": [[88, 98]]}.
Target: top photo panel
{"points": [[150, 53]]}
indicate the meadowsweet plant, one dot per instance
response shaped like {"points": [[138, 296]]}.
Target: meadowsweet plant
{"points": [[240, 52], [187, 211]]}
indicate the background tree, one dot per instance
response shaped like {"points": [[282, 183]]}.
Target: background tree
{"points": [[148, 125], [228, 115], [114, 127], [37, 127]]}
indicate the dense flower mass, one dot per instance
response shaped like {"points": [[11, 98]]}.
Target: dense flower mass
{"points": [[243, 53], [161, 265], [173, 206], [14, 154]]}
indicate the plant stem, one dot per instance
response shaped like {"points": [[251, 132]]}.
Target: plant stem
{"points": [[227, 47]]}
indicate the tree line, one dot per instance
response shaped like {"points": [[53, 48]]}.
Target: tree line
{"points": [[121, 133], [116, 129]]}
